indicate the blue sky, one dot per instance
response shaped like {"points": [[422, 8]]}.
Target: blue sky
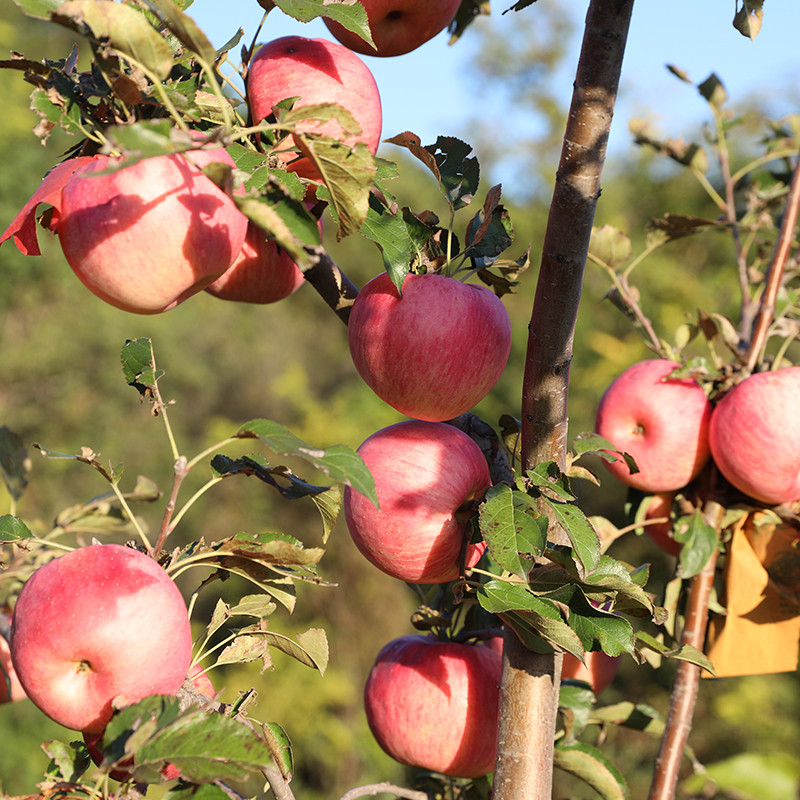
{"points": [[698, 37]]}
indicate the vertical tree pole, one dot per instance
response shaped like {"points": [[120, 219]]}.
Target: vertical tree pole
{"points": [[530, 683]]}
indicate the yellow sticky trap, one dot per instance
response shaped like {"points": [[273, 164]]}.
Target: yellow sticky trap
{"points": [[761, 631]]}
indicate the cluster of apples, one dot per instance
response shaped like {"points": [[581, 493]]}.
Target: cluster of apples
{"points": [[672, 430], [95, 630], [147, 237], [431, 704]]}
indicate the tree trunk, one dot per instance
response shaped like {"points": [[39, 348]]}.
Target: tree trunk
{"points": [[530, 683]]}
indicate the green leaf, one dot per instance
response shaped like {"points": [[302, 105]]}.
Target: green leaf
{"points": [[253, 605], [489, 232], [400, 237], [593, 768], [251, 643], [698, 540], [139, 365], [526, 612], [348, 174], [340, 463], [611, 580], [280, 588], [143, 139], [329, 504], [583, 537], [184, 29], [591, 443], [348, 13], [41, 9], [638, 717], [600, 630], [514, 530], [15, 463], [121, 27], [610, 246], [548, 476], [281, 478], [748, 776], [285, 219], [205, 748], [68, 762], [682, 652], [269, 548], [12, 529], [280, 747]]}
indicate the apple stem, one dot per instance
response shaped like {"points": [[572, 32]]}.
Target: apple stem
{"points": [[531, 681], [687, 677], [774, 280]]}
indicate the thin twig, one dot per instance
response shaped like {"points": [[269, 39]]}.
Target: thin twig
{"points": [[774, 278], [687, 677], [383, 788]]}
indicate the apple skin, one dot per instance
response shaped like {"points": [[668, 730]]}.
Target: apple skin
{"points": [[147, 237], [661, 533], [262, 272], [662, 424], [424, 473], [315, 71], [433, 353], [397, 26], [7, 670], [598, 670], [99, 628], [435, 704], [755, 436], [94, 741]]}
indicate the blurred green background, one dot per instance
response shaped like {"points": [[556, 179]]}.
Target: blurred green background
{"points": [[61, 386]]}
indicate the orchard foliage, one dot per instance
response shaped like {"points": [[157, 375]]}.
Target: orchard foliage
{"points": [[146, 82]]}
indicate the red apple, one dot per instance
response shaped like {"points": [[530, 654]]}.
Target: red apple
{"points": [[10, 687], [261, 273], [398, 26], [435, 705], [427, 475], [147, 237], [433, 353], [315, 71], [661, 533], [755, 436], [99, 628], [662, 422], [94, 741], [598, 669]]}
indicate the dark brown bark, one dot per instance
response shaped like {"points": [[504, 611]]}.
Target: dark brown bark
{"points": [[530, 684]]}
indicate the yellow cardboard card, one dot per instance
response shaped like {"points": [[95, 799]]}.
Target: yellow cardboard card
{"points": [[761, 632]]}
